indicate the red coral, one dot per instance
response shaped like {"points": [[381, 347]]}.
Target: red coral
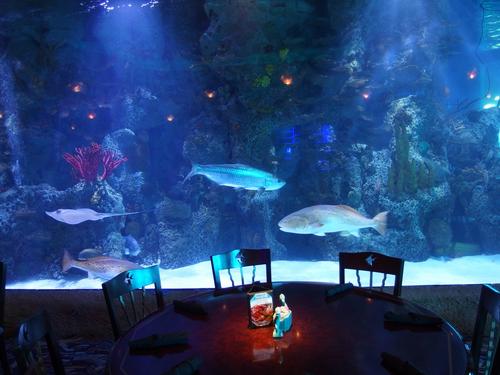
{"points": [[86, 162], [110, 161]]}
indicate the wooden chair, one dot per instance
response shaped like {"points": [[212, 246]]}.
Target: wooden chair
{"points": [[372, 262], [31, 333], [240, 258], [3, 350], [125, 284], [487, 311]]}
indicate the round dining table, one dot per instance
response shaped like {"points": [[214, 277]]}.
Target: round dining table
{"points": [[345, 334]]}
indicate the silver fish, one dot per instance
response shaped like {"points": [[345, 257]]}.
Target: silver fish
{"points": [[79, 215], [101, 266], [239, 176], [322, 219]]}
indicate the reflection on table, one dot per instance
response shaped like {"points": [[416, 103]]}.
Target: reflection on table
{"points": [[345, 334]]}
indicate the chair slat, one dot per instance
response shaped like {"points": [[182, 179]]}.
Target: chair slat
{"points": [[124, 308], [134, 310], [230, 276], [383, 282], [357, 277]]}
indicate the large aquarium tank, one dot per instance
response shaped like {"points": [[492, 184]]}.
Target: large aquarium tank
{"points": [[166, 131]]}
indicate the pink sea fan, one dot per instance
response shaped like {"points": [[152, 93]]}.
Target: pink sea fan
{"points": [[110, 161], [87, 161]]}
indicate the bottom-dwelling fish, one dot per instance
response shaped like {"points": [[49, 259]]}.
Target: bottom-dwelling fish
{"points": [[322, 219], [101, 266]]}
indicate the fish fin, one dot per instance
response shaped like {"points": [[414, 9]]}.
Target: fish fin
{"points": [[67, 261], [348, 208], [194, 170], [345, 233], [319, 234], [380, 221], [354, 233]]}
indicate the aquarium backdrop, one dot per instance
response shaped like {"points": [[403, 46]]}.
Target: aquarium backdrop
{"points": [[168, 131]]}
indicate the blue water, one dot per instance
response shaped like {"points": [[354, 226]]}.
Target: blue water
{"points": [[107, 105]]}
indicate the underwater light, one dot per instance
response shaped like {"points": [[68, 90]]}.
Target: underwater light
{"points": [[170, 118], [286, 79], [1, 115], [493, 102], [72, 127], [210, 94], [472, 74], [366, 95], [91, 116], [77, 87]]}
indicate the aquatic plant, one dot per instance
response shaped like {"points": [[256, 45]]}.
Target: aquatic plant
{"points": [[262, 81], [87, 161], [402, 174], [283, 53]]}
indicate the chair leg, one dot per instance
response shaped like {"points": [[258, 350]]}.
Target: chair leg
{"points": [[3, 357]]}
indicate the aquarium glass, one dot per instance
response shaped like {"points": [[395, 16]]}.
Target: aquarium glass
{"points": [[138, 132]]}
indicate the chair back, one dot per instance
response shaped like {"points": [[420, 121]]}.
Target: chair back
{"points": [[124, 285], [28, 354], [3, 280], [238, 259], [372, 262], [488, 311], [4, 361]]}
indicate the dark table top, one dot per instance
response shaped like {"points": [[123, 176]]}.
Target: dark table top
{"points": [[343, 336]]}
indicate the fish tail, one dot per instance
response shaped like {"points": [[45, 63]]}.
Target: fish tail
{"points": [[194, 170], [380, 222], [67, 261]]}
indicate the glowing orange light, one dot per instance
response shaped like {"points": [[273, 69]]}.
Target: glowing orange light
{"points": [[91, 115], [77, 87], [366, 95], [286, 79], [210, 94], [170, 118], [472, 74]]}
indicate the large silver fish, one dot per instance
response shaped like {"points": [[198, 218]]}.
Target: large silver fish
{"points": [[101, 266], [322, 219], [79, 215], [238, 176]]}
